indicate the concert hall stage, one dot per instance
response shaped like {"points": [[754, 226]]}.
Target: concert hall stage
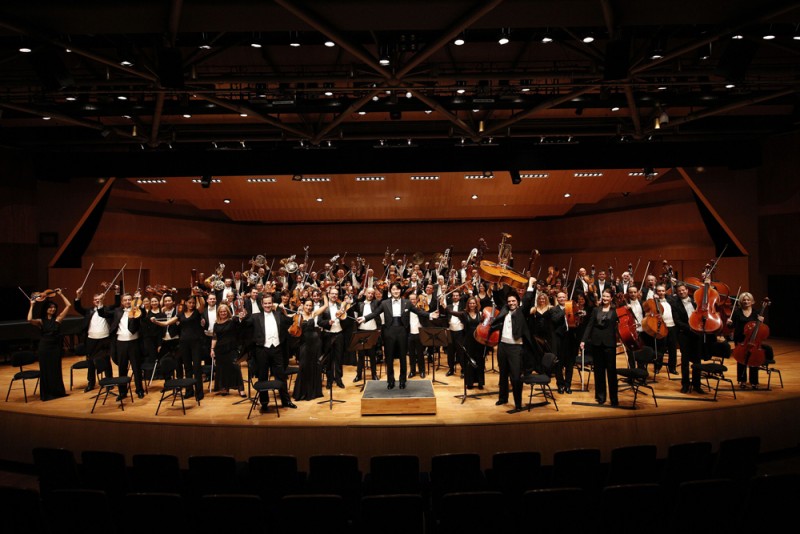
{"points": [[220, 426]]}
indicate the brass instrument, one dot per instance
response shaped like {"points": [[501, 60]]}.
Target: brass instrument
{"points": [[417, 259], [289, 264]]}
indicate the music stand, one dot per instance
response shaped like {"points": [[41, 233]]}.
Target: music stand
{"points": [[361, 341], [434, 336], [325, 359]]}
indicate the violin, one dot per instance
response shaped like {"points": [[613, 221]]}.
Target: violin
{"points": [[552, 275], [422, 302], [483, 333], [41, 296], [705, 319], [342, 313], [136, 306], [749, 351], [653, 321], [571, 310], [295, 329]]}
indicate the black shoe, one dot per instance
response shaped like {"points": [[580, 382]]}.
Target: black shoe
{"points": [[329, 385], [412, 374], [601, 400], [340, 383], [390, 384], [357, 378], [501, 402], [87, 389], [568, 391], [560, 389], [516, 409], [289, 404], [480, 386], [700, 390], [264, 409], [374, 376], [422, 374], [402, 384], [614, 403], [450, 372], [140, 394], [685, 389], [121, 397]]}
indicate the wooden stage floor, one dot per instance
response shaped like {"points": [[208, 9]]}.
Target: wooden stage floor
{"points": [[219, 426]]}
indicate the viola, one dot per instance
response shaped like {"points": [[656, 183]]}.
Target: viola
{"points": [[41, 296], [749, 351], [653, 321], [628, 333], [705, 318], [483, 333]]}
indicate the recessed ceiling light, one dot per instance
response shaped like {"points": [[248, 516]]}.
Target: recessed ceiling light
{"points": [[428, 111], [329, 43], [730, 85], [187, 116], [122, 97], [226, 201], [474, 197], [319, 199], [459, 41], [46, 118], [71, 99], [25, 49], [362, 112], [615, 108], [567, 195], [126, 63], [397, 198], [737, 36], [243, 114]]}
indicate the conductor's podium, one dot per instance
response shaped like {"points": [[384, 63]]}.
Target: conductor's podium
{"points": [[416, 399]]}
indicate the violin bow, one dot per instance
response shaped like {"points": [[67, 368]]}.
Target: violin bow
{"points": [[714, 265], [646, 270], [139, 278], [114, 280], [23, 292], [574, 284], [87, 276]]}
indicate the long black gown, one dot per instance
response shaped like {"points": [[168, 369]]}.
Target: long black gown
{"points": [[308, 385], [228, 374], [51, 385]]}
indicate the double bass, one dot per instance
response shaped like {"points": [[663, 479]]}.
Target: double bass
{"points": [[500, 273], [749, 351]]}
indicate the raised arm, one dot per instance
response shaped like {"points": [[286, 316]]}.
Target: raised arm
{"points": [[67, 306]]}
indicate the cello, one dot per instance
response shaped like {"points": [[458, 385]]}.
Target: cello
{"points": [[653, 320], [483, 333], [627, 329], [749, 351], [705, 319]]}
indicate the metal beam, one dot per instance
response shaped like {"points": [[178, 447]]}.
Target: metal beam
{"points": [[238, 108]]}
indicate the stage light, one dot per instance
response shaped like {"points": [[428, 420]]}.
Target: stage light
{"points": [[205, 181], [515, 177]]}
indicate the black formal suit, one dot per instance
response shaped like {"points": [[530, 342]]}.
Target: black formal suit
{"points": [[269, 360], [688, 340], [95, 347], [455, 350], [370, 352], [510, 356], [601, 336], [125, 352], [561, 345], [334, 342], [395, 334]]}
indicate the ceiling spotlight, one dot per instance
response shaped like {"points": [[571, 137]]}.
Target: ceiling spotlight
{"points": [[649, 173], [226, 200], [122, 97], [187, 116], [615, 108], [769, 35], [657, 123], [503, 39], [294, 39], [428, 111], [204, 44], [46, 118], [737, 36], [384, 60], [71, 99], [205, 181], [375, 98], [474, 197], [25, 49], [319, 199], [329, 44], [796, 35], [730, 85], [704, 52], [488, 174], [126, 63], [256, 42], [567, 195], [459, 41], [243, 114], [657, 53], [362, 112], [408, 94], [588, 38], [397, 198], [547, 38]]}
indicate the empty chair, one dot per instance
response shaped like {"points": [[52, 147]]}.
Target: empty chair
{"points": [[577, 468], [336, 474], [173, 387], [212, 475], [628, 508], [455, 473], [156, 473], [392, 514], [21, 510], [515, 472], [81, 364], [694, 500], [393, 474], [715, 370], [56, 468], [633, 464], [313, 513], [687, 461], [169, 510], [22, 360], [737, 458], [105, 471], [108, 383], [70, 503], [556, 510], [220, 512], [274, 476], [543, 381], [636, 377], [266, 386], [479, 511]]}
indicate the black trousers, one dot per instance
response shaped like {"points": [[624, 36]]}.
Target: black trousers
{"points": [[416, 354], [127, 352], [97, 348], [365, 355], [190, 353], [668, 344], [690, 344], [334, 348], [395, 346], [269, 361], [605, 367], [455, 350], [509, 358]]}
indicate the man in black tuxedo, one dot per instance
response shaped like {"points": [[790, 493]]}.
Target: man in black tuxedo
{"points": [[689, 341], [97, 334], [365, 307], [396, 316], [125, 345], [514, 339], [334, 336], [269, 334]]}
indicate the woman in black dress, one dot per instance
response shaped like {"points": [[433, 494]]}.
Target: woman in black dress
{"points": [[475, 363], [189, 318], [225, 351], [742, 315], [308, 385], [51, 385], [539, 326]]}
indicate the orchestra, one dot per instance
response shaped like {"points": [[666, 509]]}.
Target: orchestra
{"points": [[560, 313]]}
